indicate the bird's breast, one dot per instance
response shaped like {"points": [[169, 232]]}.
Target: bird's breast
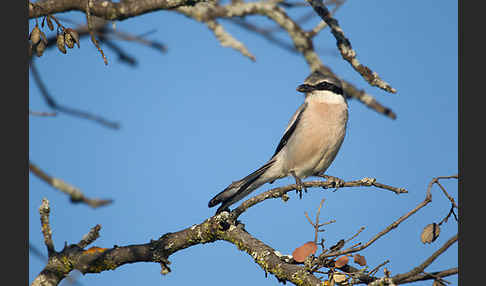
{"points": [[317, 139]]}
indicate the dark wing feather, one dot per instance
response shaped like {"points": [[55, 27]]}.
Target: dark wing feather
{"points": [[290, 129]]}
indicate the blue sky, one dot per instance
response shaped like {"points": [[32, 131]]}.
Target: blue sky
{"points": [[201, 116]]}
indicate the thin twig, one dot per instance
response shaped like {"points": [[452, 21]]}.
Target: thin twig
{"points": [[427, 200], [280, 191], [74, 193], [227, 40], [417, 270], [317, 225], [67, 110], [355, 235], [344, 46], [40, 113], [436, 181], [90, 28], [44, 211], [91, 236], [374, 270], [432, 275]]}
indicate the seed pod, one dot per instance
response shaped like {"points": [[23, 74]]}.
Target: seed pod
{"points": [[60, 43], [68, 39], [39, 49], [35, 36], [74, 35], [49, 23]]}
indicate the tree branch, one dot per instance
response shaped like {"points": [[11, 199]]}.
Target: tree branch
{"points": [[107, 10], [344, 46], [75, 195], [219, 227], [417, 270], [280, 192]]}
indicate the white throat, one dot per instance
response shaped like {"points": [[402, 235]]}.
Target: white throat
{"points": [[325, 96]]}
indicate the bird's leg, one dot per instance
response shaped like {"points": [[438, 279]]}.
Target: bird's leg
{"points": [[335, 181], [299, 184]]}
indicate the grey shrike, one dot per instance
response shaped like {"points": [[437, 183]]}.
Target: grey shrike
{"points": [[309, 144]]}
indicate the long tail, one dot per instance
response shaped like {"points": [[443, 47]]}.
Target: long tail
{"points": [[240, 189]]}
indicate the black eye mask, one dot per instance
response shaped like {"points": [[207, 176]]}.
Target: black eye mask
{"points": [[321, 86]]}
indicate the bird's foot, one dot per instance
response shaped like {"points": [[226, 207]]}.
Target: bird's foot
{"points": [[334, 181], [300, 185]]}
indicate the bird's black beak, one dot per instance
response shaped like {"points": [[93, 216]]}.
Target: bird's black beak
{"points": [[304, 88]]}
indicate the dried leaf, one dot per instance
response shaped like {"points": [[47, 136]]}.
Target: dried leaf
{"points": [[35, 36], [301, 253], [60, 43], [338, 277], [430, 233], [343, 260], [359, 259]]}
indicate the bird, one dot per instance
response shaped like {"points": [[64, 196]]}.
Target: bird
{"points": [[309, 145]]}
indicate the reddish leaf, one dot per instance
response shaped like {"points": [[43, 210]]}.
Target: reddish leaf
{"points": [[343, 260], [301, 253], [359, 259]]}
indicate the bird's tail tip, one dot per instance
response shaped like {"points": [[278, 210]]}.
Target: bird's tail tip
{"points": [[224, 195]]}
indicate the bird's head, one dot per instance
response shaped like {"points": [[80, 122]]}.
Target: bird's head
{"points": [[317, 81]]}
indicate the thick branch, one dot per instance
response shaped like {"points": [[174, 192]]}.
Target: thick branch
{"points": [[220, 227], [105, 9]]}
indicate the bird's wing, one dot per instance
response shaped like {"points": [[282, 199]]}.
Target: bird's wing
{"points": [[290, 128]]}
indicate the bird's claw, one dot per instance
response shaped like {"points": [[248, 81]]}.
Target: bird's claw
{"points": [[300, 185], [334, 181]]}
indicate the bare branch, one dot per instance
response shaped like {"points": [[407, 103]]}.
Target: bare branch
{"points": [[227, 40], [220, 227], [44, 211], [45, 114], [432, 275], [347, 51], [427, 200], [67, 110], [91, 31], [374, 270], [417, 270], [107, 10], [91, 236], [281, 191], [76, 196]]}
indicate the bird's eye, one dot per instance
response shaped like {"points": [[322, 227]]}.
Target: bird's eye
{"points": [[329, 86], [323, 86]]}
